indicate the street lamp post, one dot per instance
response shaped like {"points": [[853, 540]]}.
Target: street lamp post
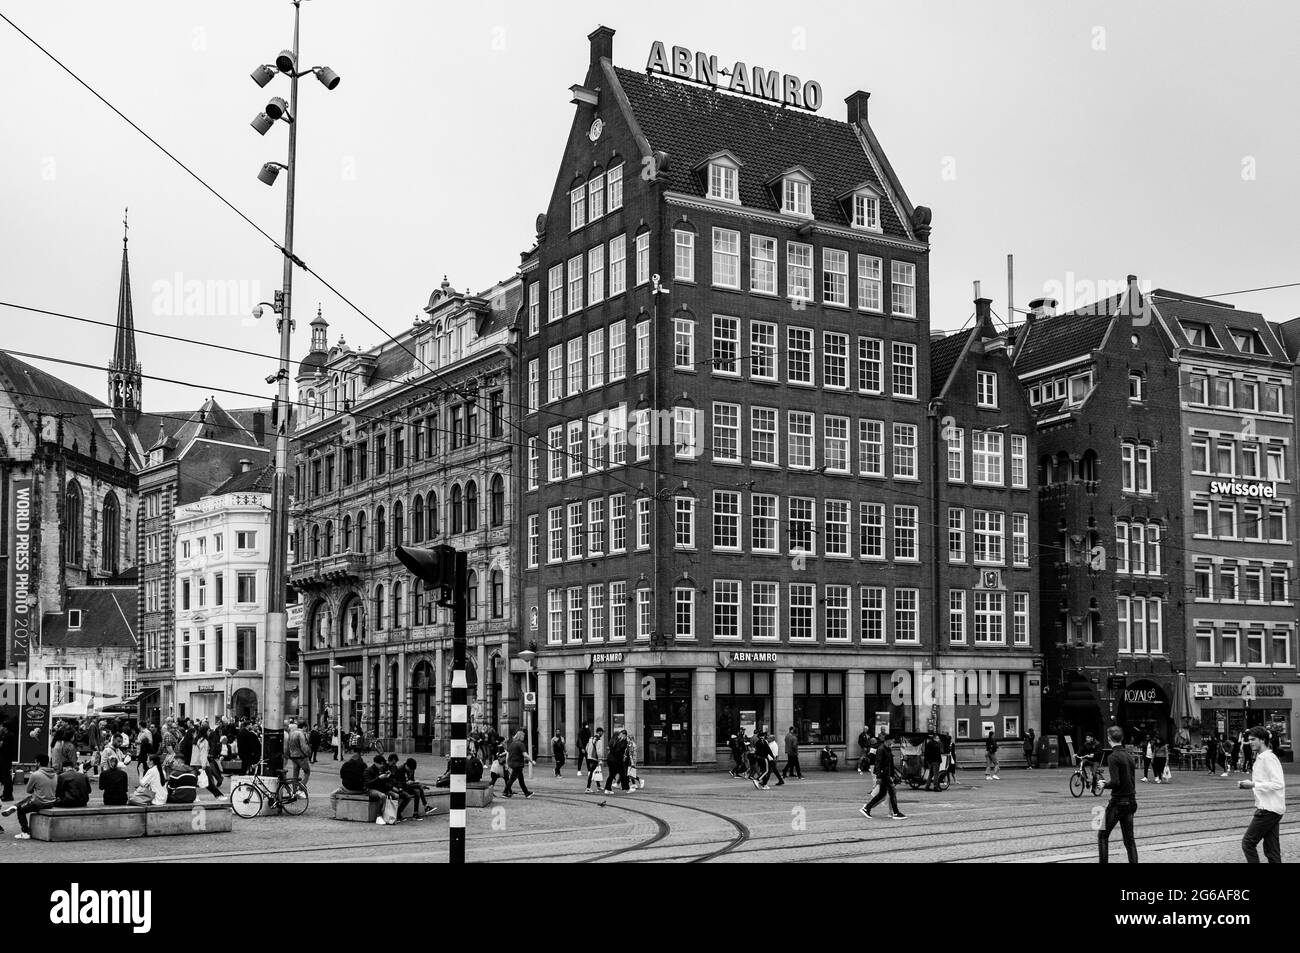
{"points": [[528, 656], [276, 621], [230, 702]]}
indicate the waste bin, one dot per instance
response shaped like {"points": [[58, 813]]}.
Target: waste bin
{"points": [[1049, 752]]}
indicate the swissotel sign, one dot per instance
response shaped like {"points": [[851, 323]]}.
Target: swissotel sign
{"points": [[1267, 491], [785, 89]]}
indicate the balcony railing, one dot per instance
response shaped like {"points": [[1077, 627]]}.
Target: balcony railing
{"points": [[328, 570]]}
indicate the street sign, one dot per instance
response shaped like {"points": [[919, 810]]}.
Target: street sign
{"points": [[530, 701]]}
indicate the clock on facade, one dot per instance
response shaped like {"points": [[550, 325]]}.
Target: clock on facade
{"points": [[597, 127]]}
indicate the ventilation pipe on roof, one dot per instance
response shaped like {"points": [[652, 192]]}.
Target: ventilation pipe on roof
{"points": [[1042, 308], [245, 466]]}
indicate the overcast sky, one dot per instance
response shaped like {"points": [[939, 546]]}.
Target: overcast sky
{"points": [[1092, 140]]}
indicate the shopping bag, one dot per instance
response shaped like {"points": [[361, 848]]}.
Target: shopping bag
{"points": [[390, 810], [597, 775], [1167, 774], [875, 789]]}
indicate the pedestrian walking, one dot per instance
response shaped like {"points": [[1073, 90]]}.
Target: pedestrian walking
{"points": [[1225, 756], [298, 749], [884, 786], [1123, 798], [313, 741], [1270, 800], [737, 746], [517, 756], [8, 750], [991, 757], [1029, 748], [1148, 753], [765, 762], [950, 754], [1212, 754], [557, 750], [633, 772], [595, 753], [250, 748], [933, 751], [617, 761], [1160, 760], [866, 748], [792, 767]]}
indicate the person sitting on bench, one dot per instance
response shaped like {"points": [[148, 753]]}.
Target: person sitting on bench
{"points": [[112, 781], [353, 777], [182, 784]]}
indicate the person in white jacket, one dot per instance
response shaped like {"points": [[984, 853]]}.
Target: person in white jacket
{"points": [[1270, 801]]}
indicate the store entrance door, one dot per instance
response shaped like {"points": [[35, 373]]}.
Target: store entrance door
{"points": [[667, 717]]}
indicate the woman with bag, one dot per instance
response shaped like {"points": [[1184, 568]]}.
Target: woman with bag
{"points": [[152, 789], [1160, 761], [633, 776], [199, 759]]}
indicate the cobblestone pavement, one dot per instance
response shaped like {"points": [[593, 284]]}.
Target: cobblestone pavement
{"points": [[1028, 816]]}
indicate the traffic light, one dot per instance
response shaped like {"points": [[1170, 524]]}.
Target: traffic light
{"points": [[434, 566]]}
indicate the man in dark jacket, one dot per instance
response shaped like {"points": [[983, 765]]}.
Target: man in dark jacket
{"points": [[737, 746], [584, 735], [313, 739], [792, 755], [765, 763], [8, 749], [933, 761], [72, 789], [885, 779], [250, 748], [1123, 797], [517, 756], [617, 761], [112, 781]]}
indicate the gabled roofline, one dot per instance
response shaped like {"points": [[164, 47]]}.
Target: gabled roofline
{"points": [[720, 154], [625, 107], [793, 170], [888, 178]]}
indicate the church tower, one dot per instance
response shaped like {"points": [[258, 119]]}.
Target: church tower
{"points": [[124, 378]]}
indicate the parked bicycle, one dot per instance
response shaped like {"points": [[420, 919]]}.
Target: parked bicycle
{"points": [[1083, 776], [248, 797]]}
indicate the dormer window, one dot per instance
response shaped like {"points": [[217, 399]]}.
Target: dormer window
{"points": [[723, 182], [1247, 341], [866, 211], [74, 618], [1200, 335], [796, 196]]}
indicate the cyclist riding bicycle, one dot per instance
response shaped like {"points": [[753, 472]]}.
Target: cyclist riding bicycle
{"points": [[1090, 756]]}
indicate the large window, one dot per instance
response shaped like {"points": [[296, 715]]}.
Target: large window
{"points": [[683, 255], [819, 707], [726, 258], [762, 264], [743, 699], [902, 290]]}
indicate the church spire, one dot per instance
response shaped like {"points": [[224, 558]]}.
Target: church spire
{"points": [[124, 378]]}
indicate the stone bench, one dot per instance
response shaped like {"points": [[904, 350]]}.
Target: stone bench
{"points": [[359, 807], [130, 820]]}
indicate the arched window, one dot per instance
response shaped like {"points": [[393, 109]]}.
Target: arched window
{"points": [[417, 519], [379, 608], [345, 543], [381, 531], [397, 605], [329, 538], [108, 535], [471, 506], [72, 520], [417, 603], [472, 595], [498, 593], [498, 500], [398, 514], [315, 542], [456, 511], [361, 532], [431, 514]]}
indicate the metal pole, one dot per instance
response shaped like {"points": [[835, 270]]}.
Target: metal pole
{"points": [[459, 713], [1011, 290], [276, 618]]}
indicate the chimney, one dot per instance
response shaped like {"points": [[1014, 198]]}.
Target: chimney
{"points": [[857, 104], [1042, 308], [983, 310], [245, 466], [602, 46], [259, 427]]}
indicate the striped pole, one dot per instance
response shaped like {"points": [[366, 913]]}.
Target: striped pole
{"points": [[459, 713]]}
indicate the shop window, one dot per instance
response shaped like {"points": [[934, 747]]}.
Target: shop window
{"points": [[744, 700], [819, 707]]}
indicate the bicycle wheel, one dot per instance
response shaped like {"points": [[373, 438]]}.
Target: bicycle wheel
{"points": [[1096, 787], [246, 799], [293, 797], [1076, 784], [379, 747], [945, 779]]}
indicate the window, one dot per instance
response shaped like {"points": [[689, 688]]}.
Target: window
{"points": [[643, 258], [986, 457], [617, 351], [764, 511], [835, 276], [1273, 398], [762, 350], [574, 376], [534, 387], [185, 594], [1020, 618], [799, 271], [596, 274], [578, 207], [765, 609], [684, 612], [987, 527], [595, 197], [554, 616], [726, 520], [534, 541], [726, 345], [1231, 647], [986, 387], [1136, 388], [957, 616], [1020, 539], [802, 524], [246, 539], [596, 442], [618, 436], [726, 258], [1200, 518], [835, 360], [837, 613], [1281, 640], [1247, 341], [1204, 646], [1223, 457], [956, 534], [684, 443], [618, 523], [555, 453], [872, 614], [799, 356], [902, 288], [534, 307], [596, 527], [726, 609], [577, 613], [219, 585], [871, 365], [906, 615], [643, 613], [1203, 584], [1135, 462], [905, 533], [555, 373], [596, 612], [722, 182], [871, 448], [576, 539], [554, 293], [684, 522], [904, 369], [990, 617], [837, 528], [617, 265], [800, 440], [1019, 468], [614, 187], [870, 283], [905, 451], [803, 620], [575, 284], [866, 212], [642, 347], [762, 264], [617, 611], [956, 440], [871, 527], [575, 448], [1121, 547], [726, 432], [795, 196], [683, 255], [246, 587], [555, 534], [1279, 585], [1276, 463], [643, 524], [1228, 582]]}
